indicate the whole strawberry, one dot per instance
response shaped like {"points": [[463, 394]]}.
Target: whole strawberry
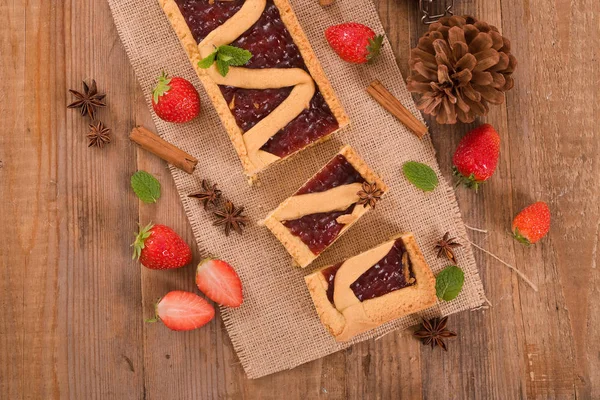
{"points": [[175, 99], [532, 224], [183, 311], [476, 156], [159, 247], [354, 42]]}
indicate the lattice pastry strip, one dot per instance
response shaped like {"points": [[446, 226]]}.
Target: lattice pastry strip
{"points": [[248, 144]]}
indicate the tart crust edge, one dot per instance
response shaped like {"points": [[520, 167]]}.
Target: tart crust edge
{"points": [[299, 251], [381, 309], [288, 17]]}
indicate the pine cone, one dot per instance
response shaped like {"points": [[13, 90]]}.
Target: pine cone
{"points": [[460, 66]]}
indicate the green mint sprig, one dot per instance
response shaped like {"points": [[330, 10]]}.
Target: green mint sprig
{"points": [[145, 186], [420, 175], [449, 283], [226, 56]]}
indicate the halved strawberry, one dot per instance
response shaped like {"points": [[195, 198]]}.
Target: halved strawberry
{"points": [[183, 311], [219, 282]]}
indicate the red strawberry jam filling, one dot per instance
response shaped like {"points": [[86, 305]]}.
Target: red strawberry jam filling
{"points": [[319, 230], [271, 46], [329, 275], [384, 277], [336, 173]]}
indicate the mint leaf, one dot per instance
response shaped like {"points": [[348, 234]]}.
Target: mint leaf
{"points": [[145, 186], [207, 61], [234, 55], [226, 56], [449, 283], [222, 67], [420, 175]]}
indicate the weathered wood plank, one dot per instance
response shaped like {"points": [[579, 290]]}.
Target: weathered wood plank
{"points": [[553, 143], [70, 330], [13, 145]]}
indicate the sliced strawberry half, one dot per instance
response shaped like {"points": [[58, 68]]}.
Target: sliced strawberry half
{"points": [[183, 311], [219, 282]]}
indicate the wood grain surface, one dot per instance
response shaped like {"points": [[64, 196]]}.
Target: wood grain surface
{"points": [[73, 302]]}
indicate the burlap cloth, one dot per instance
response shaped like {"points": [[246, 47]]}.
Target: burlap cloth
{"points": [[277, 327]]}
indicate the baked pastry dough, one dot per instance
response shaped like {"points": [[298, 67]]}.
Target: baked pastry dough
{"points": [[324, 208], [379, 285], [250, 143]]}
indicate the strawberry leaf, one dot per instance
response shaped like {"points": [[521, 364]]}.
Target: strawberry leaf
{"points": [[449, 283], [374, 47], [145, 186], [140, 240], [468, 181], [162, 87], [520, 238], [420, 175]]}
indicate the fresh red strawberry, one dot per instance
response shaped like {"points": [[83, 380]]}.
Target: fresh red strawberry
{"points": [[183, 311], [532, 224], [159, 247], [476, 156], [354, 42], [175, 99], [219, 282]]}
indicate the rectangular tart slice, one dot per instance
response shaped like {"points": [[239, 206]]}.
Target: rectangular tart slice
{"points": [[326, 206], [278, 103], [384, 283]]}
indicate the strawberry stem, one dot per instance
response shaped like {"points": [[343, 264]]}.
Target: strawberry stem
{"points": [[156, 317]]}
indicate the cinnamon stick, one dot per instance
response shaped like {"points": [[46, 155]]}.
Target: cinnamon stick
{"points": [[326, 2], [163, 149], [393, 105]]}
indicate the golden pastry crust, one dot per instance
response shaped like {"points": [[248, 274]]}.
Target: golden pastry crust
{"points": [[300, 252], [171, 10], [359, 317]]}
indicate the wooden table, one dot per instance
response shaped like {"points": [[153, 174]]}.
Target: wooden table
{"points": [[73, 301]]}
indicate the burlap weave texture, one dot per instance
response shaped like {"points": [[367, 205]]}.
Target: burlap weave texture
{"points": [[277, 327]]}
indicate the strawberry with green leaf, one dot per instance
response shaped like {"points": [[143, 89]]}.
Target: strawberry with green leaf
{"points": [[224, 57], [160, 247], [353, 42], [175, 99], [476, 157], [532, 223]]}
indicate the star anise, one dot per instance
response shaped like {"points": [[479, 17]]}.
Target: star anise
{"points": [[89, 100], [445, 246], [369, 195], [434, 332], [99, 135], [208, 195], [231, 217]]}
